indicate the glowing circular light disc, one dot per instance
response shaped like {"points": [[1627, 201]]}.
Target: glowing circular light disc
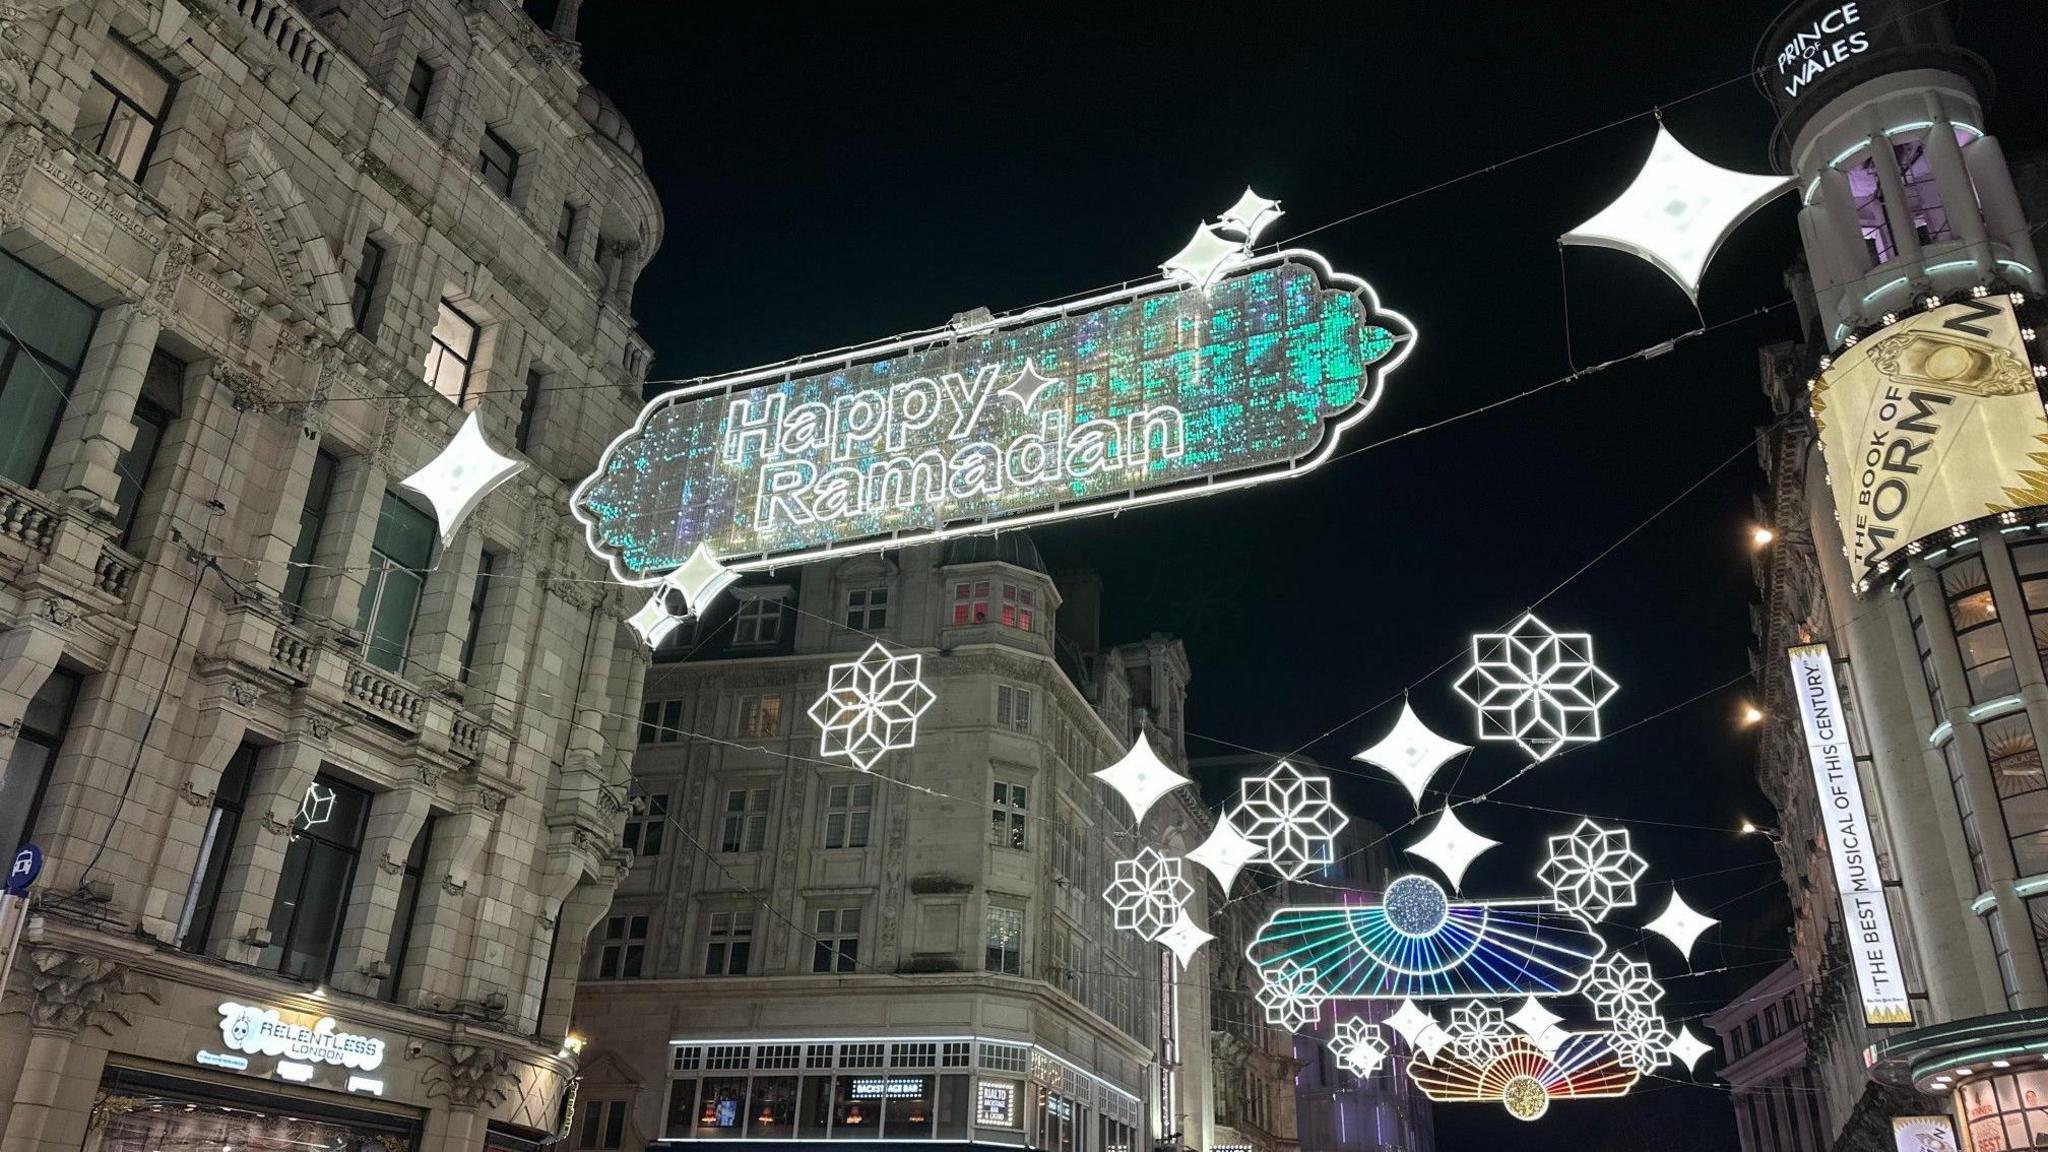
{"points": [[1416, 906], [1525, 1098]]}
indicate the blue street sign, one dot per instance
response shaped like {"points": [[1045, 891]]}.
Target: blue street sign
{"points": [[28, 863]]}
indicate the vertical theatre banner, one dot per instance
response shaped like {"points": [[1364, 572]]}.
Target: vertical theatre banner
{"points": [[1865, 916], [1161, 391], [1932, 422]]}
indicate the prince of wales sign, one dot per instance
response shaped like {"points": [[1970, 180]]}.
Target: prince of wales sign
{"points": [[1247, 370]]}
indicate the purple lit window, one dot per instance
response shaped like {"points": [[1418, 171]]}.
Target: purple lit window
{"points": [[1870, 217], [1923, 195]]}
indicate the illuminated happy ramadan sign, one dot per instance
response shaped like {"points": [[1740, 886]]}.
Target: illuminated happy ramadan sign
{"points": [[1156, 392]]}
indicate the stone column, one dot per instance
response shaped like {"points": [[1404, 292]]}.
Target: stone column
{"points": [[441, 928], [593, 701], [1957, 196], [443, 621], [2004, 219], [2019, 630], [279, 531], [396, 817], [283, 773], [98, 423], [1905, 238], [212, 732]]}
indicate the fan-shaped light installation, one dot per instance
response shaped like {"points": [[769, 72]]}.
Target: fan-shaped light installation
{"points": [[1677, 211], [1523, 1079], [1381, 952], [1411, 753], [1536, 687]]}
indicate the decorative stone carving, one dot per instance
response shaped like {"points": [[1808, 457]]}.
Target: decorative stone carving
{"points": [[426, 773], [471, 1076], [193, 796], [68, 991], [244, 693], [390, 866]]}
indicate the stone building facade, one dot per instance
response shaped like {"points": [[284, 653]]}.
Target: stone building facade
{"points": [[801, 950], [1764, 1060], [328, 804]]}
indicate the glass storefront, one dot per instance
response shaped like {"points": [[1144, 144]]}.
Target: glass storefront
{"points": [[2006, 1112], [141, 1112]]}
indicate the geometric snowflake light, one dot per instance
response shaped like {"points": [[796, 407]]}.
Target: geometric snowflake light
{"points": [[870, 706], [1478, 1032], [1358, 1047], [1591, 871], [458, 479], [1677, 211], [1290, 995], [1621, 988], [1536, 687], [1411, 753], [1290, 817], [1681, 925], [1148, 893], [1642, 1040], [1141, 777], [1451, 846]]}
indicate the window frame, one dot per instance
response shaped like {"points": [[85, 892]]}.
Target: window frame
{"points": [[440, 351], [485, 162], [364, 285], [1992, 625], [418, 96], [744, 829], [1010, 814], [623, 945], [853, 805], [122, 99], [757, 622], [1014, 708], [971, 602], [529, 407], [350, 851], [50, 740], [758, 715], [479, 603], [646, 832], [835, 948], [382, 564], [661, 721], [566, 223], [867, 608], [46, 367], [731, 932], [997, 958], [412, 879], [152, 419], [216, 847]]}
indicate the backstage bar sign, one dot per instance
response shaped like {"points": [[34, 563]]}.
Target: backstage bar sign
{"points": [[1864, 912], [1161, 391]]}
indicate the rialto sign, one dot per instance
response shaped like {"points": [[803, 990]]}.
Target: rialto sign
{"points": [[1867, 919], [261, 1031], [1174, 388]]}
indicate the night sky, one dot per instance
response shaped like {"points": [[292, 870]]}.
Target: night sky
{"points": [[832, 177]]}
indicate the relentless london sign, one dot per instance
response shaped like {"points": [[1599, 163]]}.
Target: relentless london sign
{"points": [[1166, 390]]}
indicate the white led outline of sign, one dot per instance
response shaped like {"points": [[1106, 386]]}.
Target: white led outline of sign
{"points": [[263, 1031], [1839, 786], [1332, 429]]}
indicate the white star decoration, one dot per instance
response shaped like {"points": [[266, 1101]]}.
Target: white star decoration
{"points": [[1141, 777], [1184, 938], [1591, 871], [654, 623], [1686, 1048], [1539, 1024], [1205, 258], [1291, 996], [1536, 687], [1411, 753], [700, 579], [1677, 211], [1358, 1047], [1419, 1029], [871, 706], [1249, 216], [1451, 847], [318, 805], [1027, 385], [1290, 817], [1225, 852], [458, 479], [1148, 893], [1681, 925]]}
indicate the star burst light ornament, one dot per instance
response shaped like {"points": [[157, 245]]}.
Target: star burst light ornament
{"points": [[1357, 1045], [870, 706], [458, 479], [1686, 1048], [1225, 852], [1478, 1032], [1290, 816], [654, 623], [1184, 938], [1620, 987], [1205, 259], [1141, 777], [1148, 893], [700, 579], [1451, 847], [1290, 995], [1411, 753], [1540, 1025], [1642, 1040], [1249, 216], [1681, 925], [1418, 1028], [1536, 687], [1677, 211], [1592, 871]]}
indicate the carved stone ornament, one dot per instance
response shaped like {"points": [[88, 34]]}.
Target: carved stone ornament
{"points": [[244, 693], [193, 796], [319, 727], [68, 991], [493, 801], [471, 1076], [426, 773]]}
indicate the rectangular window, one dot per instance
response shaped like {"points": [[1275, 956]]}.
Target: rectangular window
{"points": [[565, 230], [970, 602], [1005, 946], [1013, 707], [418, 86], [1923, 194], [646, 830], [661, 721], [848, 808], [43, 724], [2022, 789], [400, 555], [1008, 816], [312, 520], [837, 947], [1019, 605], [1973, 836], [408, 911], [163, 388], [362, 291], [604, 1126], [529, 407], [2031, 563], [451, 353], [313, 887], [744, 827], [760, 716], [479, 599], [497, 162], [729, 939], [43, 334], [867, 609], [1871, 220], [122, 109], [758, 621], [1987, 660], [623, 952], [216, 844]]}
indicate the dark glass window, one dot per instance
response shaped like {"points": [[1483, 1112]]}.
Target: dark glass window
{"points": [[497, 162], [1926, 647], [729, 939], [848, 812], [215, 848], [604, 1126], [646, 830], [399, 557], [661, 721], [745, 824], [418, 86], [363, 290], [624, 950], [35, 750], [529, 407], [451, 353], [319, 873], [1987, 661], [312, 520], [2022, 790], [836, 946], [43, 333], [1923, 195], [867, 608], [408, 911], [122, 109], [163, 386], [486, 563], [565, 229], [1005, 941]]}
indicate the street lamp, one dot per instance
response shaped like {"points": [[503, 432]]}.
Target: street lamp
{"points": [[1762, 536]]}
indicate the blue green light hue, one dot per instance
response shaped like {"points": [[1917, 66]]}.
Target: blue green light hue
{"points": [[1513, 948]]}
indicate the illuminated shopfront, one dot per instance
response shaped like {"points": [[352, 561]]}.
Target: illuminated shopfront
{"points": [[954, 1089]]}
